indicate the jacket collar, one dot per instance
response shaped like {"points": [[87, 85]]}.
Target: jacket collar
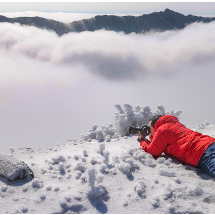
{"points": [[165, 119]]}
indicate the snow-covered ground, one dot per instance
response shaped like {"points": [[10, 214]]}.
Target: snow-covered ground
{"points": [[107, 177]]}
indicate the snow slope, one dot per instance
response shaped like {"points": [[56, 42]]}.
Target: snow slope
{"points": [[83, 177]]}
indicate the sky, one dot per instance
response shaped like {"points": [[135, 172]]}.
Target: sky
{"points": [[195, 8], [55, 88]]}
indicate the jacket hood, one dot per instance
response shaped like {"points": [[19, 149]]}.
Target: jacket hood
{"points": [[165, 119]]}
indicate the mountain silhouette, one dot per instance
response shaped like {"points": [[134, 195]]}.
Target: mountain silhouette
{"points": [[157, 21]]}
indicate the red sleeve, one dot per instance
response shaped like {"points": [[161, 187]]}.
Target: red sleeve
{"points": [[144, 143], [157, 146]]}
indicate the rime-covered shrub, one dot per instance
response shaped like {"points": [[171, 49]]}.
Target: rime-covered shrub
{"points": [[91, 176], [84, 178], [57, 159], [93, 191], [103, 167], [91, 134], [85, 152], [115, 136], [125, 156], [125, 168], [101, 148], [107, 138], [61, 166], [78, 174], [108, 130], [106, 156], [139, 155], [137, 116], [105, 133], [80, 166], [140, 189], [96, 192], [129, 160], [99, 135], [115, 159], [126, 116], [93, 161], [99, 178]]}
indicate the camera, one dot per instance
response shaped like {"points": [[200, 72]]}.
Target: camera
{"points": [[144, 130]]}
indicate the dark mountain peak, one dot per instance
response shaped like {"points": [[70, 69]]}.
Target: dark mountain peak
{"points": [[167, 10], [171, 13], [3, 18], [157, 21]]}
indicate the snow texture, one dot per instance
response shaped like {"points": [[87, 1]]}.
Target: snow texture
{"points": [[131, 182]]}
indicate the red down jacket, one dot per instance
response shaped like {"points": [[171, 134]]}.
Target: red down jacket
{"points": [[173, 138]]}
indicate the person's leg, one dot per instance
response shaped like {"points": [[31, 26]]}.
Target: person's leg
{"points": [[207, 161]]}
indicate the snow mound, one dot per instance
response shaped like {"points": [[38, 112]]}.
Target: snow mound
{"points": [[167, 172], [57, 159], [13, 169], [36, 183], [103, 168], [125, 168]]}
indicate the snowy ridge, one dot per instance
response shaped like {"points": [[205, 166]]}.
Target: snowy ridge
{"points": [[86, 178], [107, 177]]}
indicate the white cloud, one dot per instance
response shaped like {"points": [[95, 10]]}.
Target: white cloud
{"points": [[54, 88], [114, 55]]}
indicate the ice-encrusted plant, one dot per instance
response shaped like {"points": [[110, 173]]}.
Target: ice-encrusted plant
{"points": [[126, 116], [137, 116], [94, 191]]}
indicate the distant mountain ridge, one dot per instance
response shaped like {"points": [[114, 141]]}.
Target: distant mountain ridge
{"points": [[157, 21]]}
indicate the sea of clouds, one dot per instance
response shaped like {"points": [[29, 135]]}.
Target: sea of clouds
{"points": [[54, 88], [114, 56]]}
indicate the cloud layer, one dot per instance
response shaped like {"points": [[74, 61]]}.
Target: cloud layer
{"points": [[55, 88], [113, 55]]}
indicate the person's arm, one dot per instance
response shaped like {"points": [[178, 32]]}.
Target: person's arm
{"points": [[157, 145]]}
